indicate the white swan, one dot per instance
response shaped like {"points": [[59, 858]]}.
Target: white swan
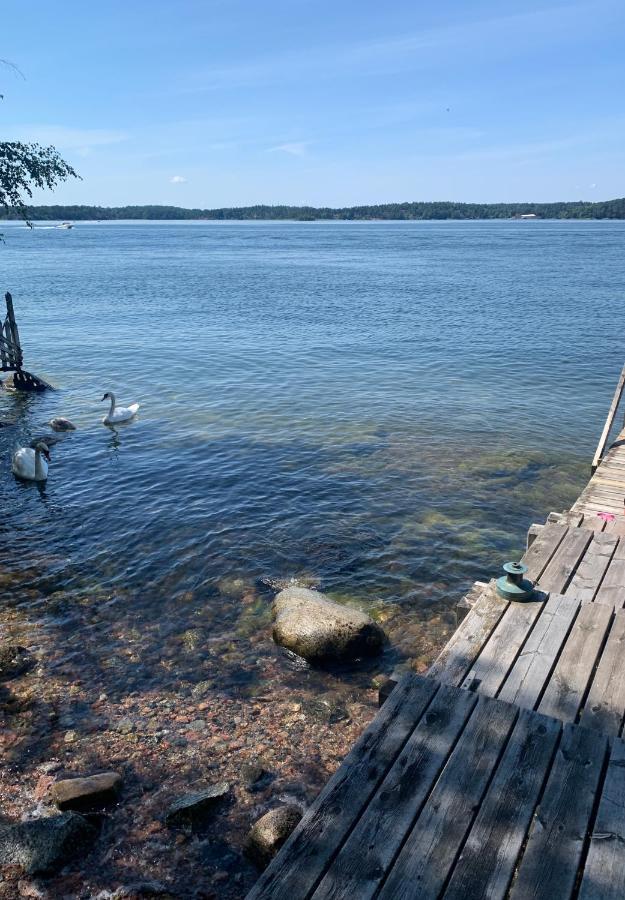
{"points": [[118, 413], [28, 463]]}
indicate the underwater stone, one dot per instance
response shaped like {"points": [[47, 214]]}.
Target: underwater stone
{"points": [[385, 690], [195, 806], [270, 832], [86, 794], [14, 660], [43, 845], [311, 625], [256, 776]]}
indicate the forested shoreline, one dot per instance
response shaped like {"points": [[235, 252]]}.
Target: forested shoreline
{"points": [[607, 209]]}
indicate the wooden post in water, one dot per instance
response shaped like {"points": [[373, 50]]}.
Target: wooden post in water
{"points": [[12, 333], [11, 356]]}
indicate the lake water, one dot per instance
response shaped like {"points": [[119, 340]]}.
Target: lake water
{"points": [[378, 409]]}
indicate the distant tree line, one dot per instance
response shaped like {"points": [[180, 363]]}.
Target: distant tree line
{"points": [[608, 209]]}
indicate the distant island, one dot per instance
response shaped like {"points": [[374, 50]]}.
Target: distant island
{"points": [[606, 209]]}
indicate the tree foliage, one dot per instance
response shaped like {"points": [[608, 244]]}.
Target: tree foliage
{"points": [[24, 167], [608, 209]]}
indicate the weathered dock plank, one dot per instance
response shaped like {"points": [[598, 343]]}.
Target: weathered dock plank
{"points": [[604, 872], [612, 589], [586, 580], [565, 691], [605, 705], [560, 570], [530, 673], [556, 840], [430, 850], [488, 858]]}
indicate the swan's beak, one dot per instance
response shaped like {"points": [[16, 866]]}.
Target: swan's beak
{"points": [[104, 398], [46, 453]]}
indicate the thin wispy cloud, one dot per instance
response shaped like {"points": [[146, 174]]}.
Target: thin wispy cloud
{"points": [[80, 140], [178, 179], [295, 148], [507, 34]]}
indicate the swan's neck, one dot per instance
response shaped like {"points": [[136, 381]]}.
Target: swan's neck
{"points": [[112, 409], [39, 471]]}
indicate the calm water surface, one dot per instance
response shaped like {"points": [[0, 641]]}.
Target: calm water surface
{"points": [[380, 409]]}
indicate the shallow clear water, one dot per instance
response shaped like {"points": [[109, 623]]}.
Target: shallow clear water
{"points": [[379, 408]]}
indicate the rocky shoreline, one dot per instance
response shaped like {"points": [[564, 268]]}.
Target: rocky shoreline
{"points": [[247, 730]]}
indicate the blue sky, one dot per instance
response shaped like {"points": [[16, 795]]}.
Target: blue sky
{"points": [[235, 102]]}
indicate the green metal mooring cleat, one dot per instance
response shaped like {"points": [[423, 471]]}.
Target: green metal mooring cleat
{"points": [[512, 585]]}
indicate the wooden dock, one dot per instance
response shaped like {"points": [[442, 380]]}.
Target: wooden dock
{"points": [[501, 774]]}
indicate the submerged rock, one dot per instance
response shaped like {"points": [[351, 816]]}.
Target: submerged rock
{"points": [[318, 629], [193, 807], [270, 832], [86, 794], [43, 845], [255, 776], [14, 660]]}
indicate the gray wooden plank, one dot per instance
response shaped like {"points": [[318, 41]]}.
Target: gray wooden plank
{"points": [[530, 673], [604, 872], [303, 859], [593, 506], [616, 526], [500, 651], [564, 694], [573, 520], [604, 707], [371, 847], [558, 573], [488, 858], [612, 589], [429, 852], [459, 653], [592, 568], [543, 548], [595, 523], [603, 487], [554, 847]]}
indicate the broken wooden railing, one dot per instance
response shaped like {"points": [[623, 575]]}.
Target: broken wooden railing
{"points": [[607, 428], [11, 356]]}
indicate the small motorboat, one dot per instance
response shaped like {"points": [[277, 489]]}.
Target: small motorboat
{"points": [[65, 225]]}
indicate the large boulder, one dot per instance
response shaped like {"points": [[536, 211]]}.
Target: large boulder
{"points": [[270, 832], [43, 845], [320, 630]]}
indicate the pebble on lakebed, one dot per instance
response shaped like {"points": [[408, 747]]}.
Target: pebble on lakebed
{"points": [[320, 630], [86, 794], [194, 807]]}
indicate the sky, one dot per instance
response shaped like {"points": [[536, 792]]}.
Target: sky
{"points": [[209, 103]]}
